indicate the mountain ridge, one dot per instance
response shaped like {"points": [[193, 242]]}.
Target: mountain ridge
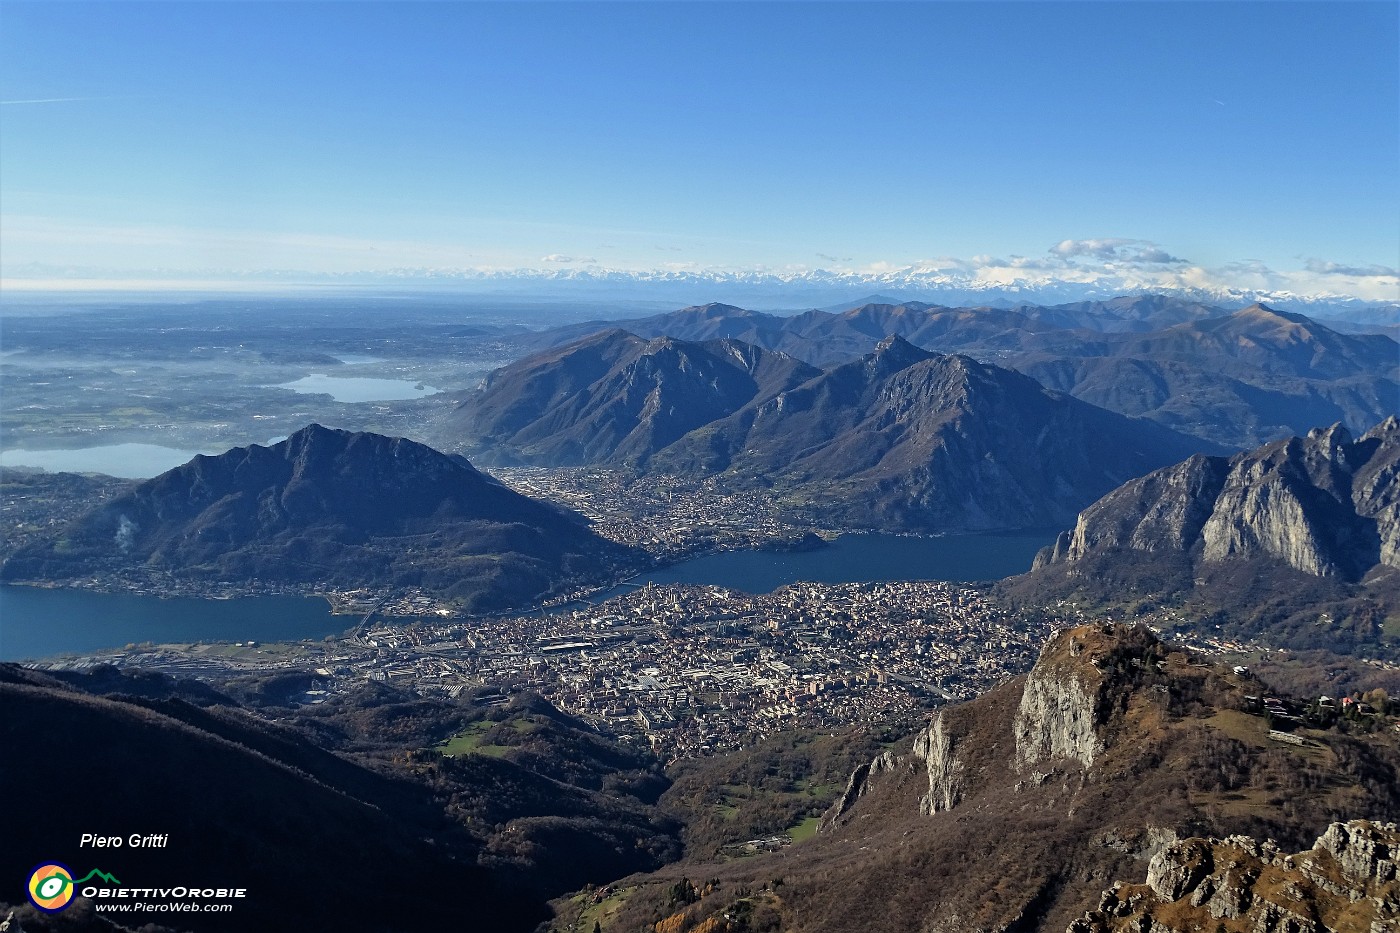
{"points": [[1327, 504], [616, 397], [331, 508], [900, 438], [1234, 378], [820, 287], [1295, 543]]}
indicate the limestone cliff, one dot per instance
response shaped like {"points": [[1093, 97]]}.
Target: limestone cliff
{"points": [[1345, 884], [1326, 504], [1058, 717], [1061, 719], [945, 771], [1011, 813], [862, 779]]}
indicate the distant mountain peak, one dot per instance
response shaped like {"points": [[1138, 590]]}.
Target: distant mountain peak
{"points": [[894, 352], [1261, 311], [718, 309]]}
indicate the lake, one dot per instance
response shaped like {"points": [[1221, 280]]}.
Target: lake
{"points": [[859, 558], [36, 622], [128, 461], [359, 388]]}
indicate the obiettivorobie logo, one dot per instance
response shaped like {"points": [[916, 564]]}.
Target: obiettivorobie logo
{"points": [[51, 885]]}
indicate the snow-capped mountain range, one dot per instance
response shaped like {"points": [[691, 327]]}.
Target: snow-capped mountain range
{"points": [[819, 288], [968, 285]]}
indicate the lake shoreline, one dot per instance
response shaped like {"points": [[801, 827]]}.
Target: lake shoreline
{"points": [[852, 557]]}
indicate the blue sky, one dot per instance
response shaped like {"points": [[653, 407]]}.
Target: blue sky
{"points": [[1207, 140]]}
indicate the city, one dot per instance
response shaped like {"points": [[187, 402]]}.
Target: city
{"points": [[690, 671]]}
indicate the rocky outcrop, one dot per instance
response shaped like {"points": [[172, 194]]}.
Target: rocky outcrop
{"points": [[1326, 504], [1365, 853], [1058, 716], [1345, 884], [1057, 720], [945, 771], [1179, 868], [860, 783]]}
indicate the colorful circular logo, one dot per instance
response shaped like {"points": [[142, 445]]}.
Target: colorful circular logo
{"points": [[51, 887]]}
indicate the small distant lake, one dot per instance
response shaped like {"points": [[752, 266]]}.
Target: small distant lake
{"points": [[359, 389], [129, 461], [858, 558], [37, 622]]}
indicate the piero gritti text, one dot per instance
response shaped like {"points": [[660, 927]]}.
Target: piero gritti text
{"points": [[133, 841]]}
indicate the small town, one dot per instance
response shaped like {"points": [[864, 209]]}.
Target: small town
{"points": [[670, 517]]}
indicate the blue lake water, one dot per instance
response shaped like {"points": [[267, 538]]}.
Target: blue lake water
{"points": [[37, 622], [359, 388], [129, 461], [859, 558]]}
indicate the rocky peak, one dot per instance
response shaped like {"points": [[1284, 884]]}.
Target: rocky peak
{"points": [[1058, 717], [1326, 504], [1294, 501], [893, 354], [1386, 430], [1332, 438]]}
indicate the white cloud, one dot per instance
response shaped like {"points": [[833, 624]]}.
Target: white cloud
{"points": [[1322, 267], [1116, 249]]}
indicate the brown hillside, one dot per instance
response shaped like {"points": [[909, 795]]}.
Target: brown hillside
{"points": [[1013, 812]]}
